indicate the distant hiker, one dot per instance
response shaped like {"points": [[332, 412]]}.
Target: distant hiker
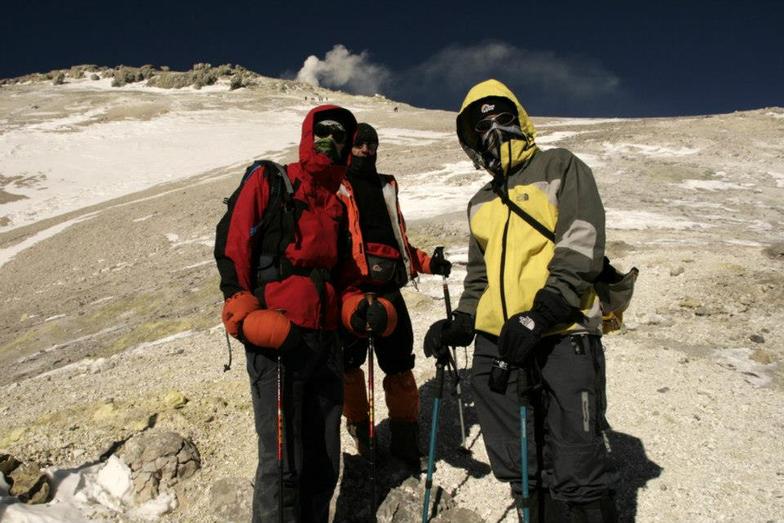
{"points": [[382, 262], [276, 248], [529, 297]]}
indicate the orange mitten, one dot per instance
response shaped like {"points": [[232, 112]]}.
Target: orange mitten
{"points": [[361, 317], [350, 305], [391, 316], [266, 328], [236, 308]]}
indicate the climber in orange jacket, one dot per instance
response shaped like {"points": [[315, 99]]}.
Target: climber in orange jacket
{"points": [[382, 262]]}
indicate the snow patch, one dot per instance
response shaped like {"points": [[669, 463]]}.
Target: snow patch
{"points": [[431, 194], [142, 347], [777, 177], [9, 253], [581, 121], [200, 264], [398, 136], [555, 137], [92, 164], [209, 241], [739, 359], [641, 220], [709, 185], [85, 493], [654, 151]]}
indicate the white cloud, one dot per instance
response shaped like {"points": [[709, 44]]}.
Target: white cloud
{"points": [[341, 69], [538, 73], [546, 81]]}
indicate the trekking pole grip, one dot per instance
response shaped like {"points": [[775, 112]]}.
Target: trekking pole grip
{"points": [[370, 297]]}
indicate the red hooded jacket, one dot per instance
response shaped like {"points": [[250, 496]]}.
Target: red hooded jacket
{"points": [[316, 179]]}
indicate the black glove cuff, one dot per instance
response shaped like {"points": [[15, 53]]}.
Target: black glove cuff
{"points": [[550, 309]]}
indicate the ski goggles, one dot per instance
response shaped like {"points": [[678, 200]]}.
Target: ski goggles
{"points": [[499, 120], [327, 128]]}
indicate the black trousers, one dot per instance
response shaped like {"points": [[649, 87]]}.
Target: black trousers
{"points": [[312, 405], [566, 450], [395, 353]]}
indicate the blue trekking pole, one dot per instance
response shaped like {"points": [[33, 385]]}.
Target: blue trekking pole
{"points": [[433, 434], [523, 393]]}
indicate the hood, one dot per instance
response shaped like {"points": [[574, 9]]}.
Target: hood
{"points": [[320, 166], [521, 150]]}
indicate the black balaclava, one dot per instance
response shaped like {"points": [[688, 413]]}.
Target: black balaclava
{"points": [[367, 165], [367, 185]]}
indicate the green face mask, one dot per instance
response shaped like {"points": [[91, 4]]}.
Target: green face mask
{"points": [[327, 146]]}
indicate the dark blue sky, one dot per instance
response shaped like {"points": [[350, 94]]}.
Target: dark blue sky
{"points": [[578, 58]]}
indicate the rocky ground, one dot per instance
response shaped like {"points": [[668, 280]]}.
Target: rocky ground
{"points": [[111, 326]]}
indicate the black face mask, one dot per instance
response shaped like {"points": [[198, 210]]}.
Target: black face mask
{"points": [[363, 165], [492, 141]]}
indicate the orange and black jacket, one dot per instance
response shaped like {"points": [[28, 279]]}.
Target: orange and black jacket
{"points": [[356, 272]]}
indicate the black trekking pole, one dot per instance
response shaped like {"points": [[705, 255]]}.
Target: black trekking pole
{"points": [[431, 453], [458, 388], [371, 298]]}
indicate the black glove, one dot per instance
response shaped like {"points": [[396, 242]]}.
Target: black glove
{"points": [[368, 316], [458, 331], [439, 264], [519, 336], [522, 332]]}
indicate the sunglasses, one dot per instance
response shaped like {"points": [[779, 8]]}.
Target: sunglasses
{"points": [[331, 128], [500, 119], [372, 146]]}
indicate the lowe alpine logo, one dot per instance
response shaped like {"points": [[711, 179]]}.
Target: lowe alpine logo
{"points": [[486, 108]]}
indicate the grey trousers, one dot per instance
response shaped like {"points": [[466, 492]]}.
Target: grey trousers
{"points": [[312, 406], [566, 449]]}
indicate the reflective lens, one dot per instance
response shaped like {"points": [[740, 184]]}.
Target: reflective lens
{"points": [[331, 128], [501, 119]]}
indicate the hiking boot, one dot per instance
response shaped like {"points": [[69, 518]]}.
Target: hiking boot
{"points": [[359, 433], [404, 444]]}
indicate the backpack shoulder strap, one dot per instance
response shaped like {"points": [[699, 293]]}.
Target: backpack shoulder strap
{"points": [[280, 171], [530, 220], [276, 175]]}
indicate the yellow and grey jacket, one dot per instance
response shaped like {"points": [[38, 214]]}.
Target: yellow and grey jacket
{"points": [[508, 260]]}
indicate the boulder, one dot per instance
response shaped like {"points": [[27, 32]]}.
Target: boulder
{"points": [[458, 515], [404, 503], [158, 460], [30, 484]]}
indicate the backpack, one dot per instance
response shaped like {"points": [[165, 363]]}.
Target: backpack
{"points": [[613, 288]]}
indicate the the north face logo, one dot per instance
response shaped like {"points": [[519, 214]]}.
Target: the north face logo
{"points": [[486, 108]]}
